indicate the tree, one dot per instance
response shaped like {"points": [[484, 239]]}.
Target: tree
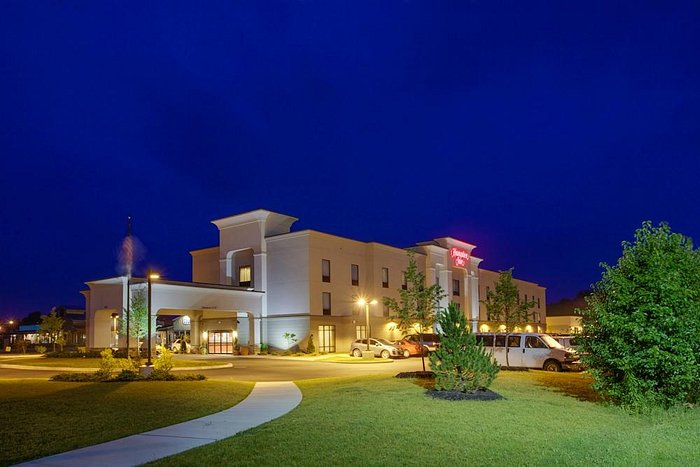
{"points": [[504, 306], [642, 322], [459, 363], [52, 326], [138, 320], [417, 303]]}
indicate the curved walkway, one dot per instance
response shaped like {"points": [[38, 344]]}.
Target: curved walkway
{"points": [[266, 402]]}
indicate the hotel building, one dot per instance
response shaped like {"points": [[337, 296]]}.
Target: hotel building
{"points": [[264, 280]]}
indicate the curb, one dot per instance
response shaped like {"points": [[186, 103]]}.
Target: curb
{"points": [[87, 370]]}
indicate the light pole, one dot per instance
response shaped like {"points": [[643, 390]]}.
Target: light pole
{"points": [[363, 302], [151, 277]]}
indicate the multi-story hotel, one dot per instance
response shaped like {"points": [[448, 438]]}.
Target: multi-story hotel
{"points": [[264, 280]]}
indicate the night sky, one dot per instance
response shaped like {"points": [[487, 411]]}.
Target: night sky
{"points": [[544, 133]]}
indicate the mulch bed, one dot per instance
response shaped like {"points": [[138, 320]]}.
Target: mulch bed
{"points": [[427, 382], [478, 395]]}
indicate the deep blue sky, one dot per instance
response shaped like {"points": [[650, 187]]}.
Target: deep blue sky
{"points": [[544, 133]]}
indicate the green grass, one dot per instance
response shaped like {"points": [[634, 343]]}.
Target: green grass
{"points": [[546, 419], [95, 362], [39, 418]]}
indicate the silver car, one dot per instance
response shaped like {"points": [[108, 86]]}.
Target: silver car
{"points": [[381, 348]]}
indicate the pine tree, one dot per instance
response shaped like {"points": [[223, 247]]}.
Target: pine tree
{"points": [[460, 363]]}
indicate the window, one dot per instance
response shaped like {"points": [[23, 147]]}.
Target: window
{"points": [[500, 341], [536, 317], [220, 342], [534, 342], [326, 303], [486, 340], [385, 278], [455, 287], [404, 282], [326, 338], [385, 309], [361, 332], [514, 341], [325, 270], [244, 276], [355, 274], [538, 302]]}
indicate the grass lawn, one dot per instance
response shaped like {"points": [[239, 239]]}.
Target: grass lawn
{"points": [[95, 362], [546, 419], [39, 418]]}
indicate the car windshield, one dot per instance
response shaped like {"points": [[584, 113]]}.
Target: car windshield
{"points": [[551, 342], [384, 341]]}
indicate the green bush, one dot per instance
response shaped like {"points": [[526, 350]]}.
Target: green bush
{"points": [[126, 375], [164, 363], [107, 364], [40, 348], [310, 347], [76, 377], [88, 354], [641, 325], [459, 363]]}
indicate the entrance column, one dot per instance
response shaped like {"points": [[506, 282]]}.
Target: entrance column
{"points": [[195, 334]]}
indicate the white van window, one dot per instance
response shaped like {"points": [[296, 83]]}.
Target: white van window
{"points": [[487, 341], [534, 342], [514, 341], [551, 342], [500, 341]]}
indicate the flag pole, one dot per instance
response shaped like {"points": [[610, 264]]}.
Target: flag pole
{"points": [[128, 282]]}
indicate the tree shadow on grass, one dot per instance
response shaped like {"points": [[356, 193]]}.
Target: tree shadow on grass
{"points": [[576, 385]]}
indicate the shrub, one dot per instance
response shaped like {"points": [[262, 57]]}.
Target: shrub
{"points": [[310, 347], [641, 325], [40, 348], [460, 364], [76, 377], [126, 375], [164, 363], [107, 364], [82, 350], [21, 345], [127, 364], [88, 354]]}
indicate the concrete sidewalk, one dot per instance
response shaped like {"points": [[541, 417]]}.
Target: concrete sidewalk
{"points": [[266, 402]]}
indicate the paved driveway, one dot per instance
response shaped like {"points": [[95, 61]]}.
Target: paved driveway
{"points": [[272, 369]]}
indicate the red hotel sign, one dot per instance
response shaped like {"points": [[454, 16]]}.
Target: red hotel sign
{"points": [[459, 257]]}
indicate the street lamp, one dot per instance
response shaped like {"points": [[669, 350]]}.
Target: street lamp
{"points": [[151, 276], [363, 302]]}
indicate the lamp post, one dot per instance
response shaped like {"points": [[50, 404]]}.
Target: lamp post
{"points": [[151, 277], [364, 302]]}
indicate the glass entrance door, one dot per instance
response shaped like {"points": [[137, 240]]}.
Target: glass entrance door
{"points": [[220, 342]]}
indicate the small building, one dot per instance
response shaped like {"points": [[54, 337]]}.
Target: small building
{"points": [[264, 281]]}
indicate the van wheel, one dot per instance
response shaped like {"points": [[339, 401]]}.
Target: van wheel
{"points": [[385, 354], [552, 365], [356, 353]]}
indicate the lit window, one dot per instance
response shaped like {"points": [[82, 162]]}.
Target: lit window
{"points": [[326, 303], [355, 274], [326, 270], [326, 338], [455, 287], [361, 332], [385, 277], [244, 276]]}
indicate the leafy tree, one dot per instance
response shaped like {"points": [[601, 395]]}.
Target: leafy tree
{"points": [[641, 325], [460, 363], [138, 320], [504, 306], [417, 304], [52, 326], [310, 346]]}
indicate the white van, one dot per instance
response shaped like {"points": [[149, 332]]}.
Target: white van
{"points": [[530, 350]]}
